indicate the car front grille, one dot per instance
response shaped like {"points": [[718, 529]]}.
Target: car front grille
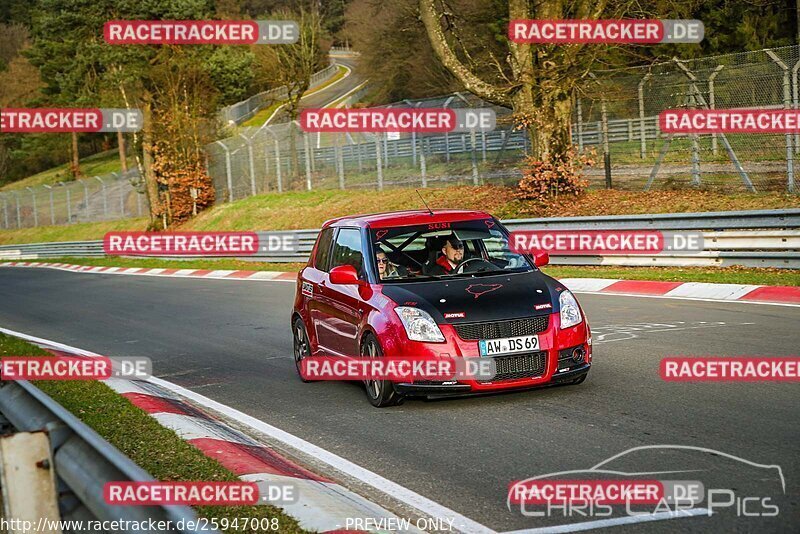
{"points": [[519, 366], [500, 329]]}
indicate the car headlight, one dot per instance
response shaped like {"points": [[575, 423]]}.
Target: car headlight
{"points": [[419, 325], [570, 312]]}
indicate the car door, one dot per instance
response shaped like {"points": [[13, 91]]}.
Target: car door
{"points": [[340, 307], [313, 281]]}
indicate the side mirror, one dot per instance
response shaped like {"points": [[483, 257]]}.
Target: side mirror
{"points": [[541, 257], [344, 274]]}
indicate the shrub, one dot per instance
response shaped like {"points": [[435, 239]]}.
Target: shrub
{"points": [[546, 179]]}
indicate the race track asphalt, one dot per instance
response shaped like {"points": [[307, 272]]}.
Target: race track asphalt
{"points": [[230, 340]]}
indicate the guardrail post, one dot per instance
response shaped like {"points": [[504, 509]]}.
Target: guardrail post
{"points": [[413, 137], [105, 195], [422, 165], [69, 205], [606, 150], [787, 99], [278, 165], [52, 212], [85, 193], [5, 211], [379, 162], [251, 161], [35, 211], [712, 104], [307, 147], [229, 178], [447, 135], [337, 151], [642, 129], [579, 110], [695, 151], [19, 218]]}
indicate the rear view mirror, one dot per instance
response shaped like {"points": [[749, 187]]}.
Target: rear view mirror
{"points": [[541, 258], [344, 274]]}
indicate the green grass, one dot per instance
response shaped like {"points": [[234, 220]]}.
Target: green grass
{"points": [[72, 232], [158, 450], [95, 165]]}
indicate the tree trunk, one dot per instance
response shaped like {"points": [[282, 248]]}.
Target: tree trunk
{"points": [[151, 185], [542, 107], [76, 158], [123, 157]]}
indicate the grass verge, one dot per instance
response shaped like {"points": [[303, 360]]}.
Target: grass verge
{"points": [[156, 449], [96, 164], [717, 275]]}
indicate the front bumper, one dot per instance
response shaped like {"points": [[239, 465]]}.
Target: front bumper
{"points": [[553, 341], [408, 389]]}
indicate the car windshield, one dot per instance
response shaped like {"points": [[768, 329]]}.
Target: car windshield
{"points": [[444, 250]]}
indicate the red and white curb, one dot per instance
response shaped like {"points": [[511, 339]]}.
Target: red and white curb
{"points": [[144, 271], [784, 295], [322, 504]]}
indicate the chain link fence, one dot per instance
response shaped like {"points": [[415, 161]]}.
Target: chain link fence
{"points": [[282, 157], [99, 198], [617, 112], [614, 109]]}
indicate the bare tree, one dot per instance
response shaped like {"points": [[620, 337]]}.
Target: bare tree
{"points": [[292, 65], [536, 81]]}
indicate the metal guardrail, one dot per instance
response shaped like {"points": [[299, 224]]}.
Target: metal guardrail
{"points": [[757, 238], [84, 462]]}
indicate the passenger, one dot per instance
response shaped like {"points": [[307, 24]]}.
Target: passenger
{"points": [[452, 255], [386, 269]]}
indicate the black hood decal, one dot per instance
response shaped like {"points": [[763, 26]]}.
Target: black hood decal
{"points": [[486, 298]]}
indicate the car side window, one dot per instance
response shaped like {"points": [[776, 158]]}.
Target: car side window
{"points": [[322, 258], [347, 250]]}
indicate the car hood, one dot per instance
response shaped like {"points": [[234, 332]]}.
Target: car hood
{"points": [[484, 298]]}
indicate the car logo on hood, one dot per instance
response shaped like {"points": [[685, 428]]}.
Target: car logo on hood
{"points": [[480, 289]]}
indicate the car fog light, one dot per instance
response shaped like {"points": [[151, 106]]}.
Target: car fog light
{"points": [[578, 354]]}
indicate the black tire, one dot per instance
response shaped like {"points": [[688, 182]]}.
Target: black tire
{"points": [[380, 393], [580, 380], [302, 347]]}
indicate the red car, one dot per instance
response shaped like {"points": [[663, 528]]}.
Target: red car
{"points": [[447, 285]]}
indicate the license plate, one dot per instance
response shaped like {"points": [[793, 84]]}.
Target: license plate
{"points": [[508, 345]]}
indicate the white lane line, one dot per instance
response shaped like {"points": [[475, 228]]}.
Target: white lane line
{"points": [[613, 522], [383, 485], [721, 301], [344, 96]]}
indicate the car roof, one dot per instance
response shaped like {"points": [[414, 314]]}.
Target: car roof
{"points": [[407, 218]]}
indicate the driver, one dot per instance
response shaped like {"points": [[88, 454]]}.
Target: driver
{"points": [[452, 255]]}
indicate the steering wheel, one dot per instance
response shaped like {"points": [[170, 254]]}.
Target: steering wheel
{"points": [[460, 268]]}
